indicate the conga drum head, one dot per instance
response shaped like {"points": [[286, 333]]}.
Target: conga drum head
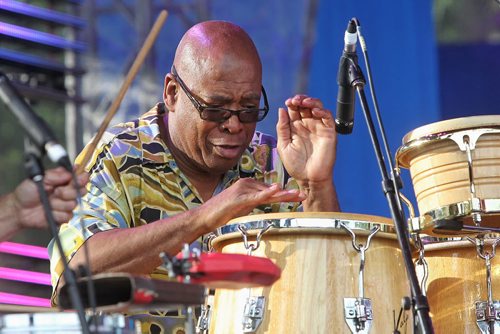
{"points": [[455, 171], [319, 268]]}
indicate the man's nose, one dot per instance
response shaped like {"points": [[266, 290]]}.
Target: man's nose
{"points": [[232, 124]]}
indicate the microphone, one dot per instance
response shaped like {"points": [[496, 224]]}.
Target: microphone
{"points": [[344, 120], [36, 128]]}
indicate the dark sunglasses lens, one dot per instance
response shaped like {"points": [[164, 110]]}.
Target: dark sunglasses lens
{"points": [[249, 116], [215, 115]]}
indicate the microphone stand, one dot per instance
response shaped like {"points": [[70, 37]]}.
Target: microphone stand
{"points": [[35, 172], [389, 186]]}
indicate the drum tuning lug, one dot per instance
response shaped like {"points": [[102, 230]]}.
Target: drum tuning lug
{"points": [[358, 314], [253, 313], [488, 317]]}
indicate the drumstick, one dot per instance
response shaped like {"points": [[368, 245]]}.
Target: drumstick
{"points": [[139, 59]]}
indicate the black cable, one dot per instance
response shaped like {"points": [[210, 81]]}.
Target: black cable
{"points": [[394, 177]]}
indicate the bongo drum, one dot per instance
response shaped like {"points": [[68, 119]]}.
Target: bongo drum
{"points": [[457, 282], [455, 171], [319, 268]]}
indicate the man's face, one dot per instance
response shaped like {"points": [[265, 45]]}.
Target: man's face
{"points": [[210, 147]]}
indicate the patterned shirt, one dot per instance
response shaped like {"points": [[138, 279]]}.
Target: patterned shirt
{"points": [[134, 180]]}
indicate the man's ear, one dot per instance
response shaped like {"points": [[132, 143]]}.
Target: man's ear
{"points": [[170, 90]]}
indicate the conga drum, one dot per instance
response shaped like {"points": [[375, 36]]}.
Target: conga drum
{"points": [[455, 171], [319, 267], [457, 282]]}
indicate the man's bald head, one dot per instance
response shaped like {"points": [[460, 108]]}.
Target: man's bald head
{"points": [[210, 45]]}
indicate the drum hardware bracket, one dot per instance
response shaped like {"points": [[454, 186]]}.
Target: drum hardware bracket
{"points": [[487, 312], [253, 311], [488, 317], [252, 247], [204, 320], [358, 314], [207, 242], [358, 311], [180, 266], [421, 261]]}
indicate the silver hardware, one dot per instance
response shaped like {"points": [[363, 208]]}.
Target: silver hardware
{"points": [[252, 247], [300, 220], [487, 312], [358, 312], [488, 317], [455, 211], [203, 323], [207, 242], [253, 313], [422, 262], [476, 215], [204, 320]]}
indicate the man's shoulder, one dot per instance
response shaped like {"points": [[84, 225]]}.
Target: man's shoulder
{"points": [[130, 141], [140, 129]]}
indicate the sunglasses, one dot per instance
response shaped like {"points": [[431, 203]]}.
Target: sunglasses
{"points": [[220, 115]]}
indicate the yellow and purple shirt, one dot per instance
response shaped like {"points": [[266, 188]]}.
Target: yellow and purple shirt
{"points": [[134, 180]]}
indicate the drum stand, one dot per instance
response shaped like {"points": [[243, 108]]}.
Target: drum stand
{"points": [[487, 312], [391, 186]]}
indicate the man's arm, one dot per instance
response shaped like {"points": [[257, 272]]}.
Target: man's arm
{"points": [[307, 146], [136, 250]]}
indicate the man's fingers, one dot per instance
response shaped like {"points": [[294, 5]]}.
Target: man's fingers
{"points": [[57, 176], [62, 217], [283, 128], [58, 204]]}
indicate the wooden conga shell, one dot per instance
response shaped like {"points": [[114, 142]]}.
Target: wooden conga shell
{"points": [[319, 268], [439, 169], [457, 279]]}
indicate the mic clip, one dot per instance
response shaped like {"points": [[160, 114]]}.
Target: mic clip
{"points": [[354, 76]]}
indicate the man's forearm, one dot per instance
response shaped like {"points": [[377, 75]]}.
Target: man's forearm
{"points": [[9, 223], [136, 250]]}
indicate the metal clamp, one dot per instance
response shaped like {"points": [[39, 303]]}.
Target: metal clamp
{"points": [[204, 320], [253, 313], [421, 261], [207, 245], [487, 312], [252, 247], [358, 312], [361, 249]]}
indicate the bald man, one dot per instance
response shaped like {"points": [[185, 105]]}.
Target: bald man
{"points": [[195, 161]]}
